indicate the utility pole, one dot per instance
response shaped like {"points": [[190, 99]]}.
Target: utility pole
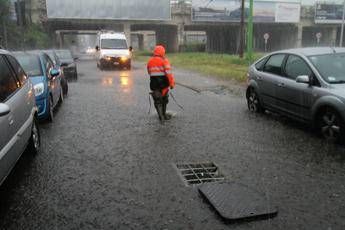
{"points": [[242, 30], [250, 32], [21, 22], [5, 34], [342, 27]]}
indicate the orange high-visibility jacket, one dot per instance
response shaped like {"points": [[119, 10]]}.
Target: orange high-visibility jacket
{"points": [[159, 65]]}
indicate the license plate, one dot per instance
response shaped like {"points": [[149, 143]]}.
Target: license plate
{"points": [[116, 63]]}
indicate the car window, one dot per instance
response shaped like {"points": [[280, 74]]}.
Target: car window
{"points": [[274, 64], [8, 84], [30, 63], [18, 70], [260, 64], [47, 63], [296, 66]]}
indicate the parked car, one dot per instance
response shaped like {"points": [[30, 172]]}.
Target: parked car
{"points": [[18, 114], [46, 80], [68, 63], [57, 65], [307, 84]]}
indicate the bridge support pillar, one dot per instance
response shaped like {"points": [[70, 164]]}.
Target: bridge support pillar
{"points": [[334, 36], [299, 36], [168, 36], [181, 36], [59, 39], [127, 31]]}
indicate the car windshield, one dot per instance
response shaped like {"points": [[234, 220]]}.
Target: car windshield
{"points": [[64, 54], [51, 56], [331, 67], [113, 44], [31, 64]]}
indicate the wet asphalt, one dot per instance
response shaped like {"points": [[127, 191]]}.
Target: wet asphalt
{"points": [[108, 164]]}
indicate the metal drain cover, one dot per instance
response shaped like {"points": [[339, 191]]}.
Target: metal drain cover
{"points": [[234, 201], [199, 173]]}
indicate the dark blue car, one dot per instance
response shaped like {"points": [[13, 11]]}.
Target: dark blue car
{"points": [[46, 80]]}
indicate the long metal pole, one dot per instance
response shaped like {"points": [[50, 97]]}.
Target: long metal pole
{"points": [[21, 23], [5, 34], [342, 27], [250, 32], [242, 31]]}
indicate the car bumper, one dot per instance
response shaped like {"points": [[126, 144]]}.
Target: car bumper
{"points": [[115, 61], [42, 109]]}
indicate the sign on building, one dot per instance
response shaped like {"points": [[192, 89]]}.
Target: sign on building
{"points": [[330, 13], [109, 9], [230, 11]]}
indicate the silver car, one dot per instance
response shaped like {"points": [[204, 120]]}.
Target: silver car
{"points": [[307, 84], [18, 113]]}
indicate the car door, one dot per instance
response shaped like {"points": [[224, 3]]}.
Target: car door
{"points": [[9, 124], [296, 98], [268, 79], [25, 94]]}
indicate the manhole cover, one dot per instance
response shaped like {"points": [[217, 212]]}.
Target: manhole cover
{"points": [[199, 173], [235, 201]]}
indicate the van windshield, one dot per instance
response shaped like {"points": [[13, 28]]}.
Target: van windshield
{"points": [[113, 44]]}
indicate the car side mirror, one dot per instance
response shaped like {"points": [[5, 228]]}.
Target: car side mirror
{"points": [[4, 109], [130, 48], [76, 59], [54, 72], [303, 79], [97, 48]]}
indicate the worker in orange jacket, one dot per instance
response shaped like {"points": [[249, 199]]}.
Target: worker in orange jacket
{"points": [[161, 79]]}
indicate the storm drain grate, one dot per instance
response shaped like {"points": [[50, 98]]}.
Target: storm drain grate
{"points": [[199, 173]]}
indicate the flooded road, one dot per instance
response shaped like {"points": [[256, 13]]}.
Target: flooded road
{"points": [[108, 164]]}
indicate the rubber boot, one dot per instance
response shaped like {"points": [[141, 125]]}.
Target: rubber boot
{"points": [[165, 115], [159, 108]]}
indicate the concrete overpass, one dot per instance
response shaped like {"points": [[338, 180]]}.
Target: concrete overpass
{"points": [[222, 37]]}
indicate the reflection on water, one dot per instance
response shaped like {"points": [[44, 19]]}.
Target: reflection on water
{"points": [[107, 81], [126, 83]]}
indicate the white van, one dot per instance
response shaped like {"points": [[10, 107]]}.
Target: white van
{"points": [[112, 50]]}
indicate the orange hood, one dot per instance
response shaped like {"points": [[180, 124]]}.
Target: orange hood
{"points": [[159, 51]]}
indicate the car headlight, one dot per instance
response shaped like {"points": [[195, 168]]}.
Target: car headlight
{"points": [[123, 59], [39, 89]]}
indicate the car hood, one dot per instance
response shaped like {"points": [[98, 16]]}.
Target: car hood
{"points": [[338, 89], [67, 61], [37, 79], [115, 52]]}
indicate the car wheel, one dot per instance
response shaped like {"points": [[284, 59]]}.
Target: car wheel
{"points": [[34, 145], [253, 102], [331, 125], [51, 110]]}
